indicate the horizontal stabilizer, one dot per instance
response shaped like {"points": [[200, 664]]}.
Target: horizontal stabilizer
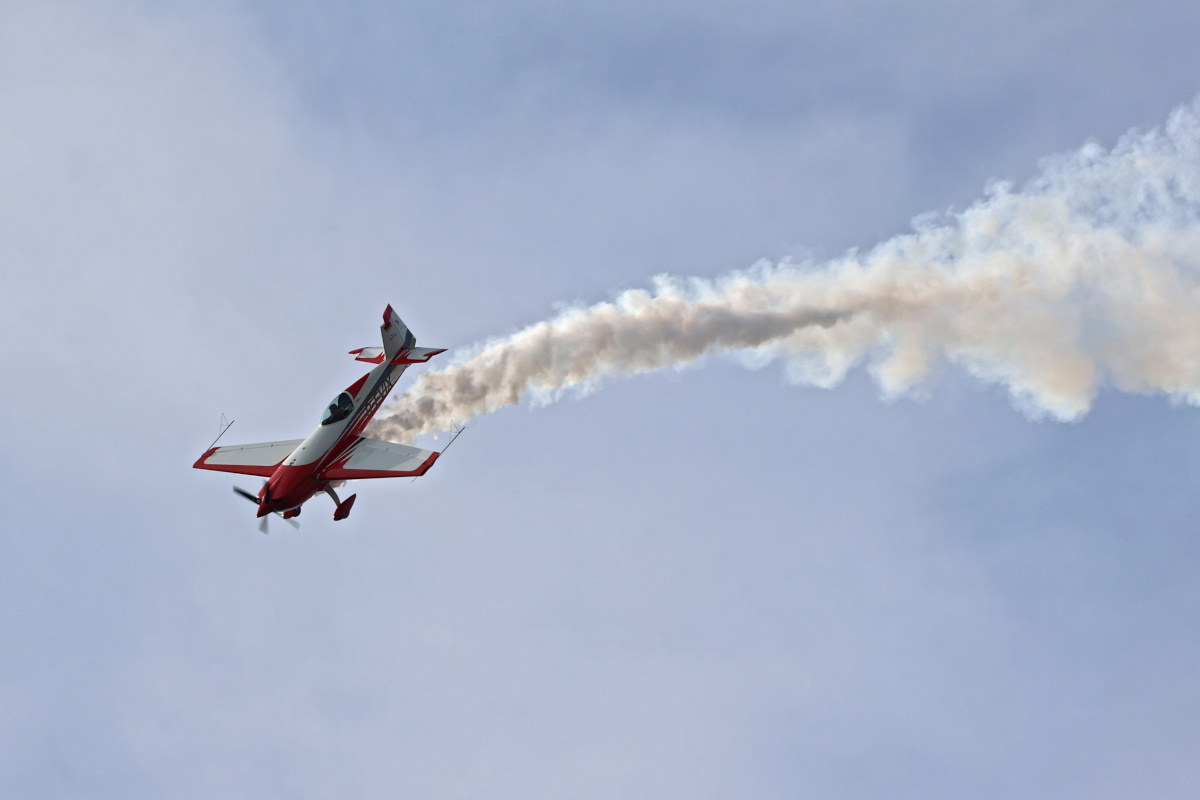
{"points": [[409, 355], [375, 458], [248, 459], [372, 355], [417, 355]]}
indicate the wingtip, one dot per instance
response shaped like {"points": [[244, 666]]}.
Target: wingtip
{"points": [[429, 462], [200, 461]]}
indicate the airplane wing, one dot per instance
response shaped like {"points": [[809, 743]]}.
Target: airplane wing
{"points": [[248, 459], [375, 458]]}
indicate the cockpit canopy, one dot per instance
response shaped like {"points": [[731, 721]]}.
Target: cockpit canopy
{"points": [[339, 409]]}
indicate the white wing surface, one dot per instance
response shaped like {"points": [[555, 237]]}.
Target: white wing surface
{"points": [[375, 458], [248, 459]]}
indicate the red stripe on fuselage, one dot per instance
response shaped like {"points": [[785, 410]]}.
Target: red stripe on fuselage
{"points": [[388, 378], [356, 387]]}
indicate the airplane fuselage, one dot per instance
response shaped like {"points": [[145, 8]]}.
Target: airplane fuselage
{"points": [[300, 477], [336, 450]]}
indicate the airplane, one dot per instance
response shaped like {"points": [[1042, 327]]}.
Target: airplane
{"points": [[297, 469]]}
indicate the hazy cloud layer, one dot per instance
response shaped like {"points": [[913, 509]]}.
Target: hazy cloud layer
{"points": [[689, 585]]}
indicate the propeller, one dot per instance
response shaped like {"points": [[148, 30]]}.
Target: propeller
{"points": [[262, 526], [246, 494]]}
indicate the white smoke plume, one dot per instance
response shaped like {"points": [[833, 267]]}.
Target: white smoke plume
{"points": [[1088, 277]]}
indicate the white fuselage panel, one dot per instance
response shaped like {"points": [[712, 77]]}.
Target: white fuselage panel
{"points": [[317, 444]]}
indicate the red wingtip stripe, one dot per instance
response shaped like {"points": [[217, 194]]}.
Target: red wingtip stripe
{"points": [[200, 461]]}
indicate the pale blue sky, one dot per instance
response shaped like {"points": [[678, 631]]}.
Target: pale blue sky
{"points": [[698, 584]]}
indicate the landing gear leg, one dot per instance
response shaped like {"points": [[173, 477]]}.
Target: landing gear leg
{"points": [[343, 506]]}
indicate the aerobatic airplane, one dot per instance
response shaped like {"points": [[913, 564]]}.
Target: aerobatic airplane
{"points": [[336, 451]]}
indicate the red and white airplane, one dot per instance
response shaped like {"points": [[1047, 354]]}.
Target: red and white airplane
{"points": [[297, 469]]}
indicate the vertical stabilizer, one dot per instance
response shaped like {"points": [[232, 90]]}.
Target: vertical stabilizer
{"points": [[396, 335]]}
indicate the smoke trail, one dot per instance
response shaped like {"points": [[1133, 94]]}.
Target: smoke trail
{"points": [[1089, 276]]}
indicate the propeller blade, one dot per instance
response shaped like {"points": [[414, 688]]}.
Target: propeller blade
{"points": [[246, 494], [262, 526]]}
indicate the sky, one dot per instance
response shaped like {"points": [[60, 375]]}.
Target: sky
{"points": [[700, 582]]}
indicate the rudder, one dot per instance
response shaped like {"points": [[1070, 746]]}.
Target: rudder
{"points": [[396, 335]]}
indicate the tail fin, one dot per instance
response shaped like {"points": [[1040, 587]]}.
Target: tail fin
{"points": [[396, 335]]}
